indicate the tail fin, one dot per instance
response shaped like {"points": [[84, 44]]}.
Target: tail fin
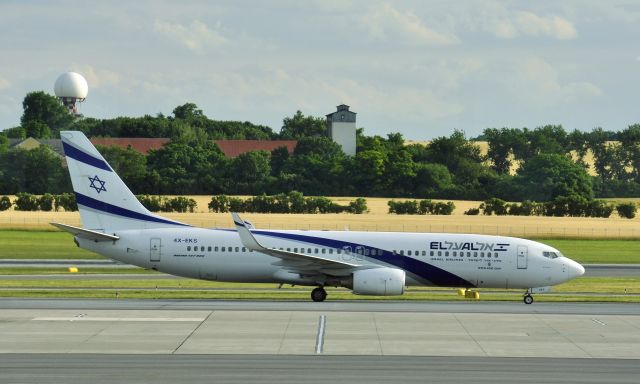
{"points": [[104, 201]]}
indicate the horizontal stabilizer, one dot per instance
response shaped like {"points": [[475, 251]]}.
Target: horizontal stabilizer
{"points": [[86, 233]]}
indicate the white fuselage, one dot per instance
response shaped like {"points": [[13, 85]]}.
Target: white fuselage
{"points": [[429, 259]]}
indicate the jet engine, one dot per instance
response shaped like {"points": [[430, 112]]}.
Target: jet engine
{"points": [[379, 282]]}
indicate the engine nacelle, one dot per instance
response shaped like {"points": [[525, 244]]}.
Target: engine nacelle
{"points": [[379, 282]]}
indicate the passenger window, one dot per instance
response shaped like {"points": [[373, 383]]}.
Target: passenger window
{"points": [[417, 253], [482, 254], [215, 249], [188, 248], [402, 252], [308, 250], [475, 254], [446, 253], [316, 251], [208, 249], [495, 254], [324, 250], [244, 249], [295, 250], [455, 253], [430, 253], [439, 253], [288, 249], [409, 253], [331, 251], [237, 249], [339, 251], [223, 249]]}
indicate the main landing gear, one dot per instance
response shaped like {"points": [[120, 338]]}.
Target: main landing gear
{"points": [[527, 298], [318, 294]]}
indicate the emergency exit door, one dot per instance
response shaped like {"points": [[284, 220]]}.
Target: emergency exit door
{"points": [[154, 250], [522, 256]]}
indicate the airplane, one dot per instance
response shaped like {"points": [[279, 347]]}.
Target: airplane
{"points": [[116, 225]]}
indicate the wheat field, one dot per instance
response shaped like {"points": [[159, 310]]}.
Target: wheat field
{"points": [[376, 220]]}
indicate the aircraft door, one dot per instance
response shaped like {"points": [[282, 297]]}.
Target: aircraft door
{"points": [[522, 256], [154, 249]]}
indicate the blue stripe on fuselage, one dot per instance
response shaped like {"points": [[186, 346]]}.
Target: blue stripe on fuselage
{"points": [[92, 203], [84, 157], [437, 276]]}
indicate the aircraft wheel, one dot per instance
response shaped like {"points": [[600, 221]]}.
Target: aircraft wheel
{"points": [[528, 299], [318, 294]]}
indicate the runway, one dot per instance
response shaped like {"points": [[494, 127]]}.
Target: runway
{"points": [[171, 369], [328, 306], [167, 341]]}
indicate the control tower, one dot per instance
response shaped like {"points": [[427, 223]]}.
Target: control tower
{"points": [[341, 128]]}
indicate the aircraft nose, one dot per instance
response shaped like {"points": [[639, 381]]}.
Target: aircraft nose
{"points": [[575, 270]]}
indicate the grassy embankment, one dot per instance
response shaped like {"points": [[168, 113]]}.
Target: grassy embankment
{"points": [[59, 245]]}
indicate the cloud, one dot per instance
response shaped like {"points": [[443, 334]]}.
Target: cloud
{"points": [[543, 84], [97, 77], [196, 36], [530, 24], [384, 22]]}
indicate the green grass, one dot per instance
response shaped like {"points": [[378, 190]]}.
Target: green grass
{"points": [[82, 271], [598, 251], [41, 245], [59, 245]]}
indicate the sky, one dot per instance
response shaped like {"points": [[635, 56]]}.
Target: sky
{"points": [[421, 68]]}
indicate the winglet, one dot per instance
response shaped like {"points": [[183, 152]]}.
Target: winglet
{"points": [[245, 235]]}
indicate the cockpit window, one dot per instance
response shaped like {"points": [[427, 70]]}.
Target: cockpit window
{"points": [[551, 255]]}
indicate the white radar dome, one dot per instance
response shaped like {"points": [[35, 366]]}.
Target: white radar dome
{"points": [[71, 84], [71, 88]]}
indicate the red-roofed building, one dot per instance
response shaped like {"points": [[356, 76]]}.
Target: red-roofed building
{"points": [[230, 148], [234, 148], [140, 144]]}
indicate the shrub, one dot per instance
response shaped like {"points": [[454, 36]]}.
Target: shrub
{"points": [[526, 208], [152, 203], [599, 208], [494, 206], [443, 208], [425, 207], [219, 203], [408, 207], [472, 211], [26, 202], [66, 201], [179, 204], [45, 202], [5, 203], [358, 206], [626, 210]]}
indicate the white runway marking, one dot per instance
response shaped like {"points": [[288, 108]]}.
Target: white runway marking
{"points": [[320, 336], [137, 319]]}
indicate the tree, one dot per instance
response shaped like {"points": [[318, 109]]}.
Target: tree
{"points": [[547, 176], [251, 171], [130, 165], [300, 126], [189, 112], [40, 107], [178, 168]]}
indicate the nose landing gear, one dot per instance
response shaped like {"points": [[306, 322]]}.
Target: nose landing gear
{"points": [[318, 294], [527, 298]]}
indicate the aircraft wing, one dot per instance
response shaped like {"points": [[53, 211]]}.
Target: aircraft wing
{"points": [[299, 261], [86, 233]]}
